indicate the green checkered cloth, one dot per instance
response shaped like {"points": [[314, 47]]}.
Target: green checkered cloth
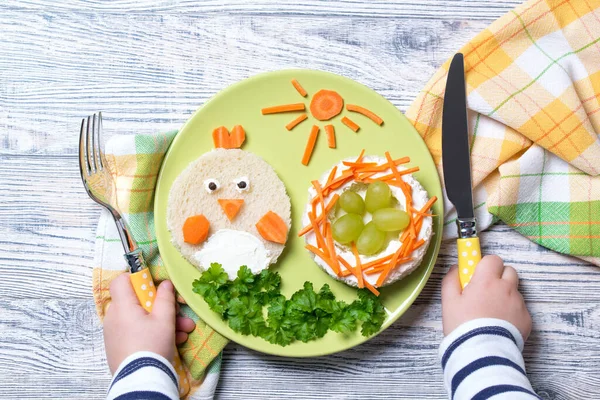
{"points": [[533, 93], [134, 161]]}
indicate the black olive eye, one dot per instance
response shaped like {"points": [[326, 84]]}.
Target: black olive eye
{"points": [[242, 184], [211, 185]]}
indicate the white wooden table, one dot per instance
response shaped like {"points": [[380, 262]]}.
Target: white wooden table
{"points": [[148, 65]]}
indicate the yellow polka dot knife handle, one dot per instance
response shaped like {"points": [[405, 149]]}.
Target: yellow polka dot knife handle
{"points": [[146, 293], [469, 254]]}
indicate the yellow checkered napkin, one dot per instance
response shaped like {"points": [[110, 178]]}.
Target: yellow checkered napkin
{"points": [[134, 162], [533, 93]]}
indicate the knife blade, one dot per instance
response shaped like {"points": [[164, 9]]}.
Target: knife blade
{"points": [[456, 165]]}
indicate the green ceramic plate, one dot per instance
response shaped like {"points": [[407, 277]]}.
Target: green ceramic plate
{"points": [[266, 136]]}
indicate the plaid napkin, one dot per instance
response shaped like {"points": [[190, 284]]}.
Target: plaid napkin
{"points": [[134, 162], [533, 93]]}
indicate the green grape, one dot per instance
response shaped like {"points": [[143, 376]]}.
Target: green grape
{"points": [[390, 219], [378, 196], [371, 240], [347, 228], [351, 202]]}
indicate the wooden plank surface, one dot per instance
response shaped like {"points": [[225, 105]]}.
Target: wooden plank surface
{"points": [[148, 65]]}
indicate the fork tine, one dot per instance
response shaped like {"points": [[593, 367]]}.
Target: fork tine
{"points": [[83, 164], [89, 146], [98, 147], [94, 159]]}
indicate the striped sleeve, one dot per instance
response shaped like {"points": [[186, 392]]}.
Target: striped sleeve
{"points": [[144, 375], [482, 359]]}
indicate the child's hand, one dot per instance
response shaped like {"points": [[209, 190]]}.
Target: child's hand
{"points": [[492, 293], [128, 328]]}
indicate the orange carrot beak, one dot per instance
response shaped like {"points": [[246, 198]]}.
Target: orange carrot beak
{"points": [[231, 207]]}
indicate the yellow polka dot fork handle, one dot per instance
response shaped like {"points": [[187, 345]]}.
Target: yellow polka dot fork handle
{"points": [[144, 288], [469, 251]]}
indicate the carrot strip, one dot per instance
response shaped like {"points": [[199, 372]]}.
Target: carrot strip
{"points": [[299, 88], [365, 112], [319, 190], [381, 168], [358, 164], [330, 136], [360, 156], [358, 268], [429, 203], [371, 288], [399, 173], [391, 265], [376, 262], [348, 270], [392, 166], [319, 253], [365, 175], [320, 217], [310, 145], [418, 244], [295, 122], [318, 234], [331, 248], [331, 175], [350, 124], [283, 108], [342, 178]]}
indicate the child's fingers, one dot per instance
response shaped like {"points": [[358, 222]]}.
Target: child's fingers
{"points": [[180, 337], [510, 274], [489, 267], [451, 284], [121, 290], [185, 324], [164, 306]]}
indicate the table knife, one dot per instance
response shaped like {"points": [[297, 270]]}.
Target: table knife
{"points": [[456, 164]]}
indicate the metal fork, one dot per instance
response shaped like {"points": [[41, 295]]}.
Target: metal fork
{"points": [[100, 186]]}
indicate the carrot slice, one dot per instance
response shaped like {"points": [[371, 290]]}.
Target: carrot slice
{"points": [[231, 207], [358, 268], [319, 218], [347, 174], [310, 145], [295, 122], [283, 108], [299, 88], [272, 228], [365, 112], [350, 124], [221, 138], [326, 104], [237, 137], [195, 229], [330, 136]]}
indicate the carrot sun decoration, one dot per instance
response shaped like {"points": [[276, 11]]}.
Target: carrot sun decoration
{"points": [[324, 106]]}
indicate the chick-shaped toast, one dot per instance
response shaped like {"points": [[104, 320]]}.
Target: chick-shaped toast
{"points": [[229, 207]]}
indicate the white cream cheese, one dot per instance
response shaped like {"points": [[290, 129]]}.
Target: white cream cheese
{"points": [[420, 198], [232, 249]]}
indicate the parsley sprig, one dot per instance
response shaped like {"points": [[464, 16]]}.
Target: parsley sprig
{"points": [[306, 316]]}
